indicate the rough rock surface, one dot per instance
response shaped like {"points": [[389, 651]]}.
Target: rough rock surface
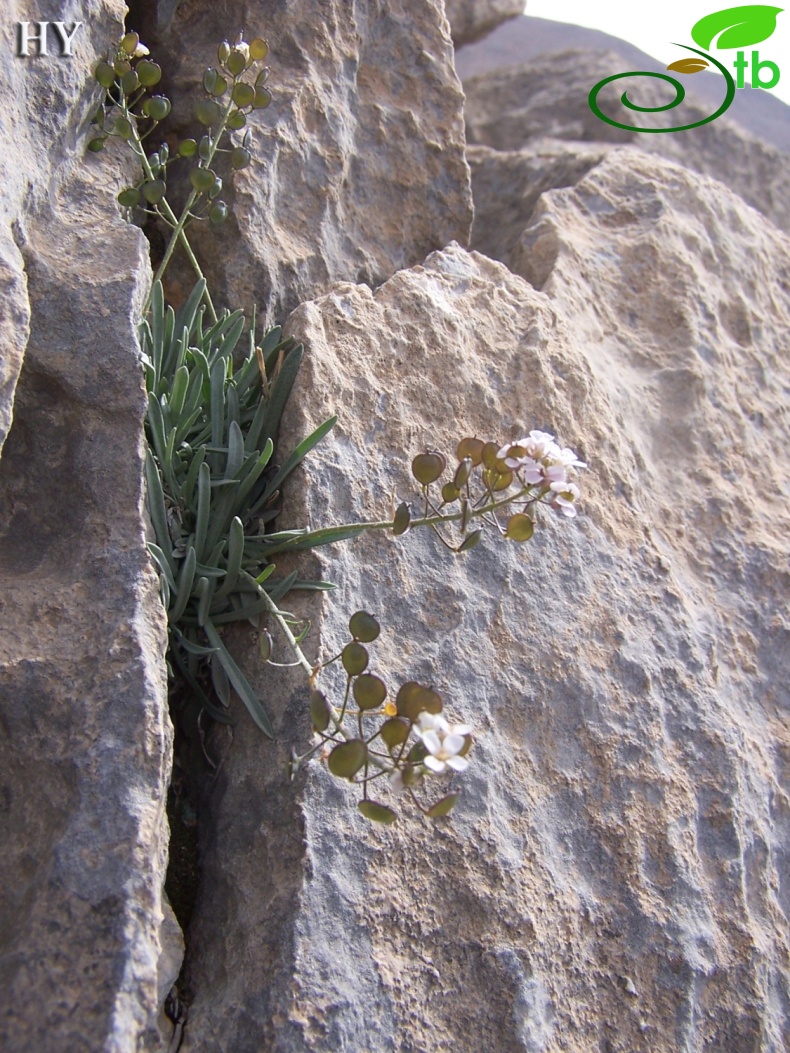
{"points": [[472, 19], [359, 165], [509, 109], [86, 943], [507, 185], [616, 874]]}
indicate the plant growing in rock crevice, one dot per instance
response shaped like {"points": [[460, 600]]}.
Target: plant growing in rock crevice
{"points": [[213, 488]]}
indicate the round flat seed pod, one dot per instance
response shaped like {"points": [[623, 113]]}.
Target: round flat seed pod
{"points": [[346, 759], [369, 691], [363, 627], [427, 467], [355, 659]]}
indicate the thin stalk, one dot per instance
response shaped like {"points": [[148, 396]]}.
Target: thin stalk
{"points": [[178, 224]]}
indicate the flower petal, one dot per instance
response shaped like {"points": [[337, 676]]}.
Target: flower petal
{"points": [[434, 764]]}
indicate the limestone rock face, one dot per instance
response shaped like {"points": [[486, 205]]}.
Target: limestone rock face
{"points": [[509, 109], [85, 739], [507, 185], [615, 875], [359, 165], [472, 19]]}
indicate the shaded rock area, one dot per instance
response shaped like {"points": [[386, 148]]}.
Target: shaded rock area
{"points": [[615, 875], [359, 165], [88, 948], [509, 109], [472, 19]]}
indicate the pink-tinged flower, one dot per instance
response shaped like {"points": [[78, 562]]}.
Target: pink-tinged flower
{"points": [[443, 742], [539, 445], [565, 495]]}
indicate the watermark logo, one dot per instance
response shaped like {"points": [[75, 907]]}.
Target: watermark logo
{"points": [[735, 28], [61, 37]]}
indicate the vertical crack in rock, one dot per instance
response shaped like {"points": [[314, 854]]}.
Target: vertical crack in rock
{"points": [[88, 946]]}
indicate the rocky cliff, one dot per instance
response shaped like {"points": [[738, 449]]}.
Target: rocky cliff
{"points": [[615, 874]]}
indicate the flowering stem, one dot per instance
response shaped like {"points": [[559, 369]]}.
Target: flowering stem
{"points": [[178, 224]]}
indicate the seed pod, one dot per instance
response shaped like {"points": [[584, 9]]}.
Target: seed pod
{"points": [[215, 190], [346, 759], [204, 149], [400, 523], [214, 83], [154, 191], [243, 94], [355, 659], [202, 179], [130, 82], [95, 145], [208, 112], [377, 813], [394, 732], [236, 62], [417, 753], [129, 197], [187, 148], [319, 711], [240, 158], [223, 51], [443, 806], [157, 107], [470, 541], [462, 472], [121, 66], [154, 163], [265, 644], [259, 49], [489, 452], [150, 73], [496, 480], [262, 77], [519, 527], [471, 448], [413, 698], [129, 43], [105, 74], [369, 691], [236, 120], [262, 99], [427, 467], [450, 493], [218, 213], [164, 153], [123, 128], [363, 627]]}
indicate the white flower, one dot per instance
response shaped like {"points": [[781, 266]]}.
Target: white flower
{"points": [[443, 742], [568, 458], [539, 445], [564, 496]]}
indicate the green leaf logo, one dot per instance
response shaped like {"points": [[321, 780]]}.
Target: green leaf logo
{"points": [[740, 27]]}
